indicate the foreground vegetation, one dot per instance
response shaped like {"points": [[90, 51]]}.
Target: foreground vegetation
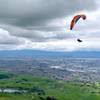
{"points": [[39, 88]]}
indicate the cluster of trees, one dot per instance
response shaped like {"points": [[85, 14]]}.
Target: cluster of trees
{"points": [[41, 92], [48, 98]]}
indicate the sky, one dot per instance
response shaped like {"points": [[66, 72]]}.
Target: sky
{"points": [[44, 25]]}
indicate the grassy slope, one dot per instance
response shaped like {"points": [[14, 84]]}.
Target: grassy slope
{"points": [[59, 89]]}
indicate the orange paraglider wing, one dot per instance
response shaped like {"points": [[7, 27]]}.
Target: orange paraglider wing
{"points": [[75, 19]]}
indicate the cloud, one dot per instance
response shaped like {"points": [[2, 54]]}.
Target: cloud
{"points": [[7, 39], [42, 24], [25, 13]]}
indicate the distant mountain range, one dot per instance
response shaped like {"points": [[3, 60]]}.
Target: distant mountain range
{"points": [[40, 53]]}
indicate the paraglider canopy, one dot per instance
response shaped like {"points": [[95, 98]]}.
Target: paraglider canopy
{"points": [[75, 20]]}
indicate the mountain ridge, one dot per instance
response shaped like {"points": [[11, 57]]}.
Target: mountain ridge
{"points": [[41, 53]]}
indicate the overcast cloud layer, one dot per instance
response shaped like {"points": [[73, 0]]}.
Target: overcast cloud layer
{"points": [[44, 25]]}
